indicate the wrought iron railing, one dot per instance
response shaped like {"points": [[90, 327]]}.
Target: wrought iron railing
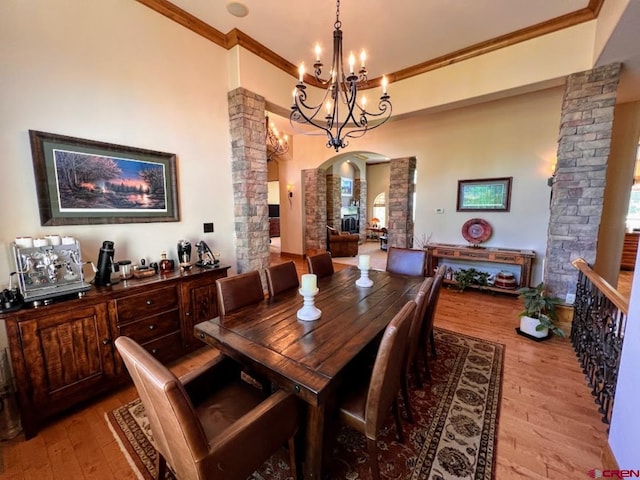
{"points": [[597, 331]]}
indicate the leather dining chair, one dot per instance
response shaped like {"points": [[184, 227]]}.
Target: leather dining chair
{"points": [[320, 264], [406, 261], [417, 324], [365, 401], [281, 277], [238, 291], [210, 424], [426, 335]]}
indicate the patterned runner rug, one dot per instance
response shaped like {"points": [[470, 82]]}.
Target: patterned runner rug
{"points": [[453, 436]]}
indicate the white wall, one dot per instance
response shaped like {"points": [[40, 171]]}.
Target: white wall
{"points": [[116, 72], [624, 433], [513, 137]]}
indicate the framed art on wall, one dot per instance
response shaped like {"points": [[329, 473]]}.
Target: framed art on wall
{"points": [[487, 194], [346, 186], [81, 182]]}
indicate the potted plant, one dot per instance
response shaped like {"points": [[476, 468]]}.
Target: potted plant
{"points": [[466, 277], [539, 314]]}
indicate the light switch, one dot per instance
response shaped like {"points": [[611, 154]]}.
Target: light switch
{"points": [[439, 210]]}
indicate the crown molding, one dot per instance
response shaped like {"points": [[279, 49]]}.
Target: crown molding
{"points": [[237, 37]]}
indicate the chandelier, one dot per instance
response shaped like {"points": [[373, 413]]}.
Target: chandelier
{"points": [[276, 145], [346, 116]]}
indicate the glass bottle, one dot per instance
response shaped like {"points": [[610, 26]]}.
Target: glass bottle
{"points": [[166, 265]]}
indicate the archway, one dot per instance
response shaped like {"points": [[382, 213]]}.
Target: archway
{"points": [[323, 202]]}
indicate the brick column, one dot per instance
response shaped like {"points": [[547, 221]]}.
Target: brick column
{"points": [[332, 195], [249, 178], [578, 190], [315, 210], [361, 187], [401, 188]]}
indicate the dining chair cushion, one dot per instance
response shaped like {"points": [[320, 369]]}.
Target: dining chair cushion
{"points": [[406, 261], [282, 277], [320, 264], [209, 424], [238, 291]]}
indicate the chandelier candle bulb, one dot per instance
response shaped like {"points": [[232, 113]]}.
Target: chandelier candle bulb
{"points": [[364, 262], [309, 282], [385, 82], [301, 73], [318, 51], [363, 57]]}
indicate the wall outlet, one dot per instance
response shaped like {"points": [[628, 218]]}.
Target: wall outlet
{"points": [[439, 210], [570, 298], [208, 227]]}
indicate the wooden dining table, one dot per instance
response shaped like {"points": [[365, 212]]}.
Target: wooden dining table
{"points": [[308, 358]]}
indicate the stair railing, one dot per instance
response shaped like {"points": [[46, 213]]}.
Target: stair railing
{"points": [[597, 332]]}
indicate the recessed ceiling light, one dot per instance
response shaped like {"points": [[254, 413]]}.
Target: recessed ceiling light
{"points": [[237, 9]]}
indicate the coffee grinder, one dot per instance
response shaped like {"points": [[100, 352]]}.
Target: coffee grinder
{"points": [[184, 254]]}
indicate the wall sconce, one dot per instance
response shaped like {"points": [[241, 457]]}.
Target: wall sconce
{"points": [[289, 192], [552, 178]]}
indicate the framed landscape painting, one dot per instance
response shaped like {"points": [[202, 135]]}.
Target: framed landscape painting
{"points": [[82, 182], [487, 194], [346, 186]]}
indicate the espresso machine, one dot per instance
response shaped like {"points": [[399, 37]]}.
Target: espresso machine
{"points": [[206, 258], [49, 271]]}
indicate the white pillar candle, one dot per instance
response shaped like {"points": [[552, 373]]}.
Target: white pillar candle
{"points": [[364, 262], [309, 282], [68, 240]]}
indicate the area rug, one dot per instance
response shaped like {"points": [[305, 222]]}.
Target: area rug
{"points": [[453, 435]]}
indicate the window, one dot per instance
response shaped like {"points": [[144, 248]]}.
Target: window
{"points": [[380, 209]]}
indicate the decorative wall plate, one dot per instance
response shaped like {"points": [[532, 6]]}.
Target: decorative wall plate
{"points": [[476, 230]]}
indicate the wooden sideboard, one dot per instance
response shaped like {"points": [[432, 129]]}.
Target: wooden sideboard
{"points": [[521, 259], [629, 251], [63, 354]]}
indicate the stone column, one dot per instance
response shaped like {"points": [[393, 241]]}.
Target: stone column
{"points": [[249, 178], [361, 197], [332, 195], [401, 189], [315, 210], [578, 188]]}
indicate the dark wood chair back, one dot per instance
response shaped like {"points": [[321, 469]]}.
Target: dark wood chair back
{"points": [[238, 291], [406, 261], [282, 277], [320, 264]]}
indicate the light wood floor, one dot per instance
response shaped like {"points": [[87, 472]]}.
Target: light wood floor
{"points": [[548, 428]]}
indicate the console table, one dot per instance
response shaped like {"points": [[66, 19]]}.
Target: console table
{"points": [[467, 254]]}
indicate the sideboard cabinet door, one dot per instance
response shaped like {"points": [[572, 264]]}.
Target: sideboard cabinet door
{"points": [[66, 358], [199, 303]]}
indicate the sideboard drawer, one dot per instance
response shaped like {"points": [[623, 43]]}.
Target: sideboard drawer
{"points": [[166, 348], [146, 304], [152, 327]]}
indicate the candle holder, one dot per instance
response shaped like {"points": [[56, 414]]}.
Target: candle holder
{"points": [[309, 311], [364, 280]]}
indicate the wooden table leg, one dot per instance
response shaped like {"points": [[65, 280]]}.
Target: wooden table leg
{"points": [[314, 442]]}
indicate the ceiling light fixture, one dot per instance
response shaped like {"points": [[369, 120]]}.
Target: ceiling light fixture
{"points": [[276, 145], [342, 91], [237, 9]]}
